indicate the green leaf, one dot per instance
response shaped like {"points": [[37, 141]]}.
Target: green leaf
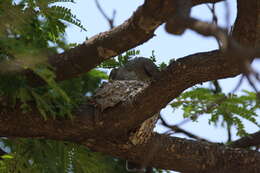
{"points": [[7, 156]]}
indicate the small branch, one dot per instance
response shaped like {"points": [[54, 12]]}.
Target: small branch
{"points": [[214, 18], [213, 12], [238, 84], [108, 19], [228, 44], [247, 141], [177, 129]]}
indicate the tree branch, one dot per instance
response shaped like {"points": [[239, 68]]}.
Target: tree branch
{"points": [[184, 155], [178, 76], [108, 19], [135, 31], [111, 136], [247, 141], [247, 23], [176, 129]]}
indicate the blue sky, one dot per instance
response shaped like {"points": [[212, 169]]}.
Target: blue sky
{"points": [[165, 46]]}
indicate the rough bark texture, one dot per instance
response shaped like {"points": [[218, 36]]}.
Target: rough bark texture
{"points": [[247, 23], [185, 155], [111, 134]]}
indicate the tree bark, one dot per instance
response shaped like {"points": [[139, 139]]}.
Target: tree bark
{"points": [[184, 155]]}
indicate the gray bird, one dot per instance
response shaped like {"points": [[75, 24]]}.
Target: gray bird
{"points": [[140, 69]]}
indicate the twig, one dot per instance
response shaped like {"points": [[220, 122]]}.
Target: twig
{"points": [[212, 10], [250, 81], [214, 19], [177, 129], [238, 84], [109, 20]]}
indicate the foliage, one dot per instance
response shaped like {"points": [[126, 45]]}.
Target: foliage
{"points": [[32, 26], [34, 31], [120, 60], [46, 156], [228, 108], [30, 31]]}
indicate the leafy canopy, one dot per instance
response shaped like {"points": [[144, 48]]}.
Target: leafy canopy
{"points": [[30, 31]]}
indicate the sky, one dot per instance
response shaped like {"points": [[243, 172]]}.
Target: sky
{"points": [[166, 47]]}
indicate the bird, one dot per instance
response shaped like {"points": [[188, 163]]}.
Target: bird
{"points": [[139, 69]]}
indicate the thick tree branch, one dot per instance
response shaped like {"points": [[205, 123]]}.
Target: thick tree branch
{"points": [[111, 136], [183, 155], [247, 23], [135, 31], [178, 76]]}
